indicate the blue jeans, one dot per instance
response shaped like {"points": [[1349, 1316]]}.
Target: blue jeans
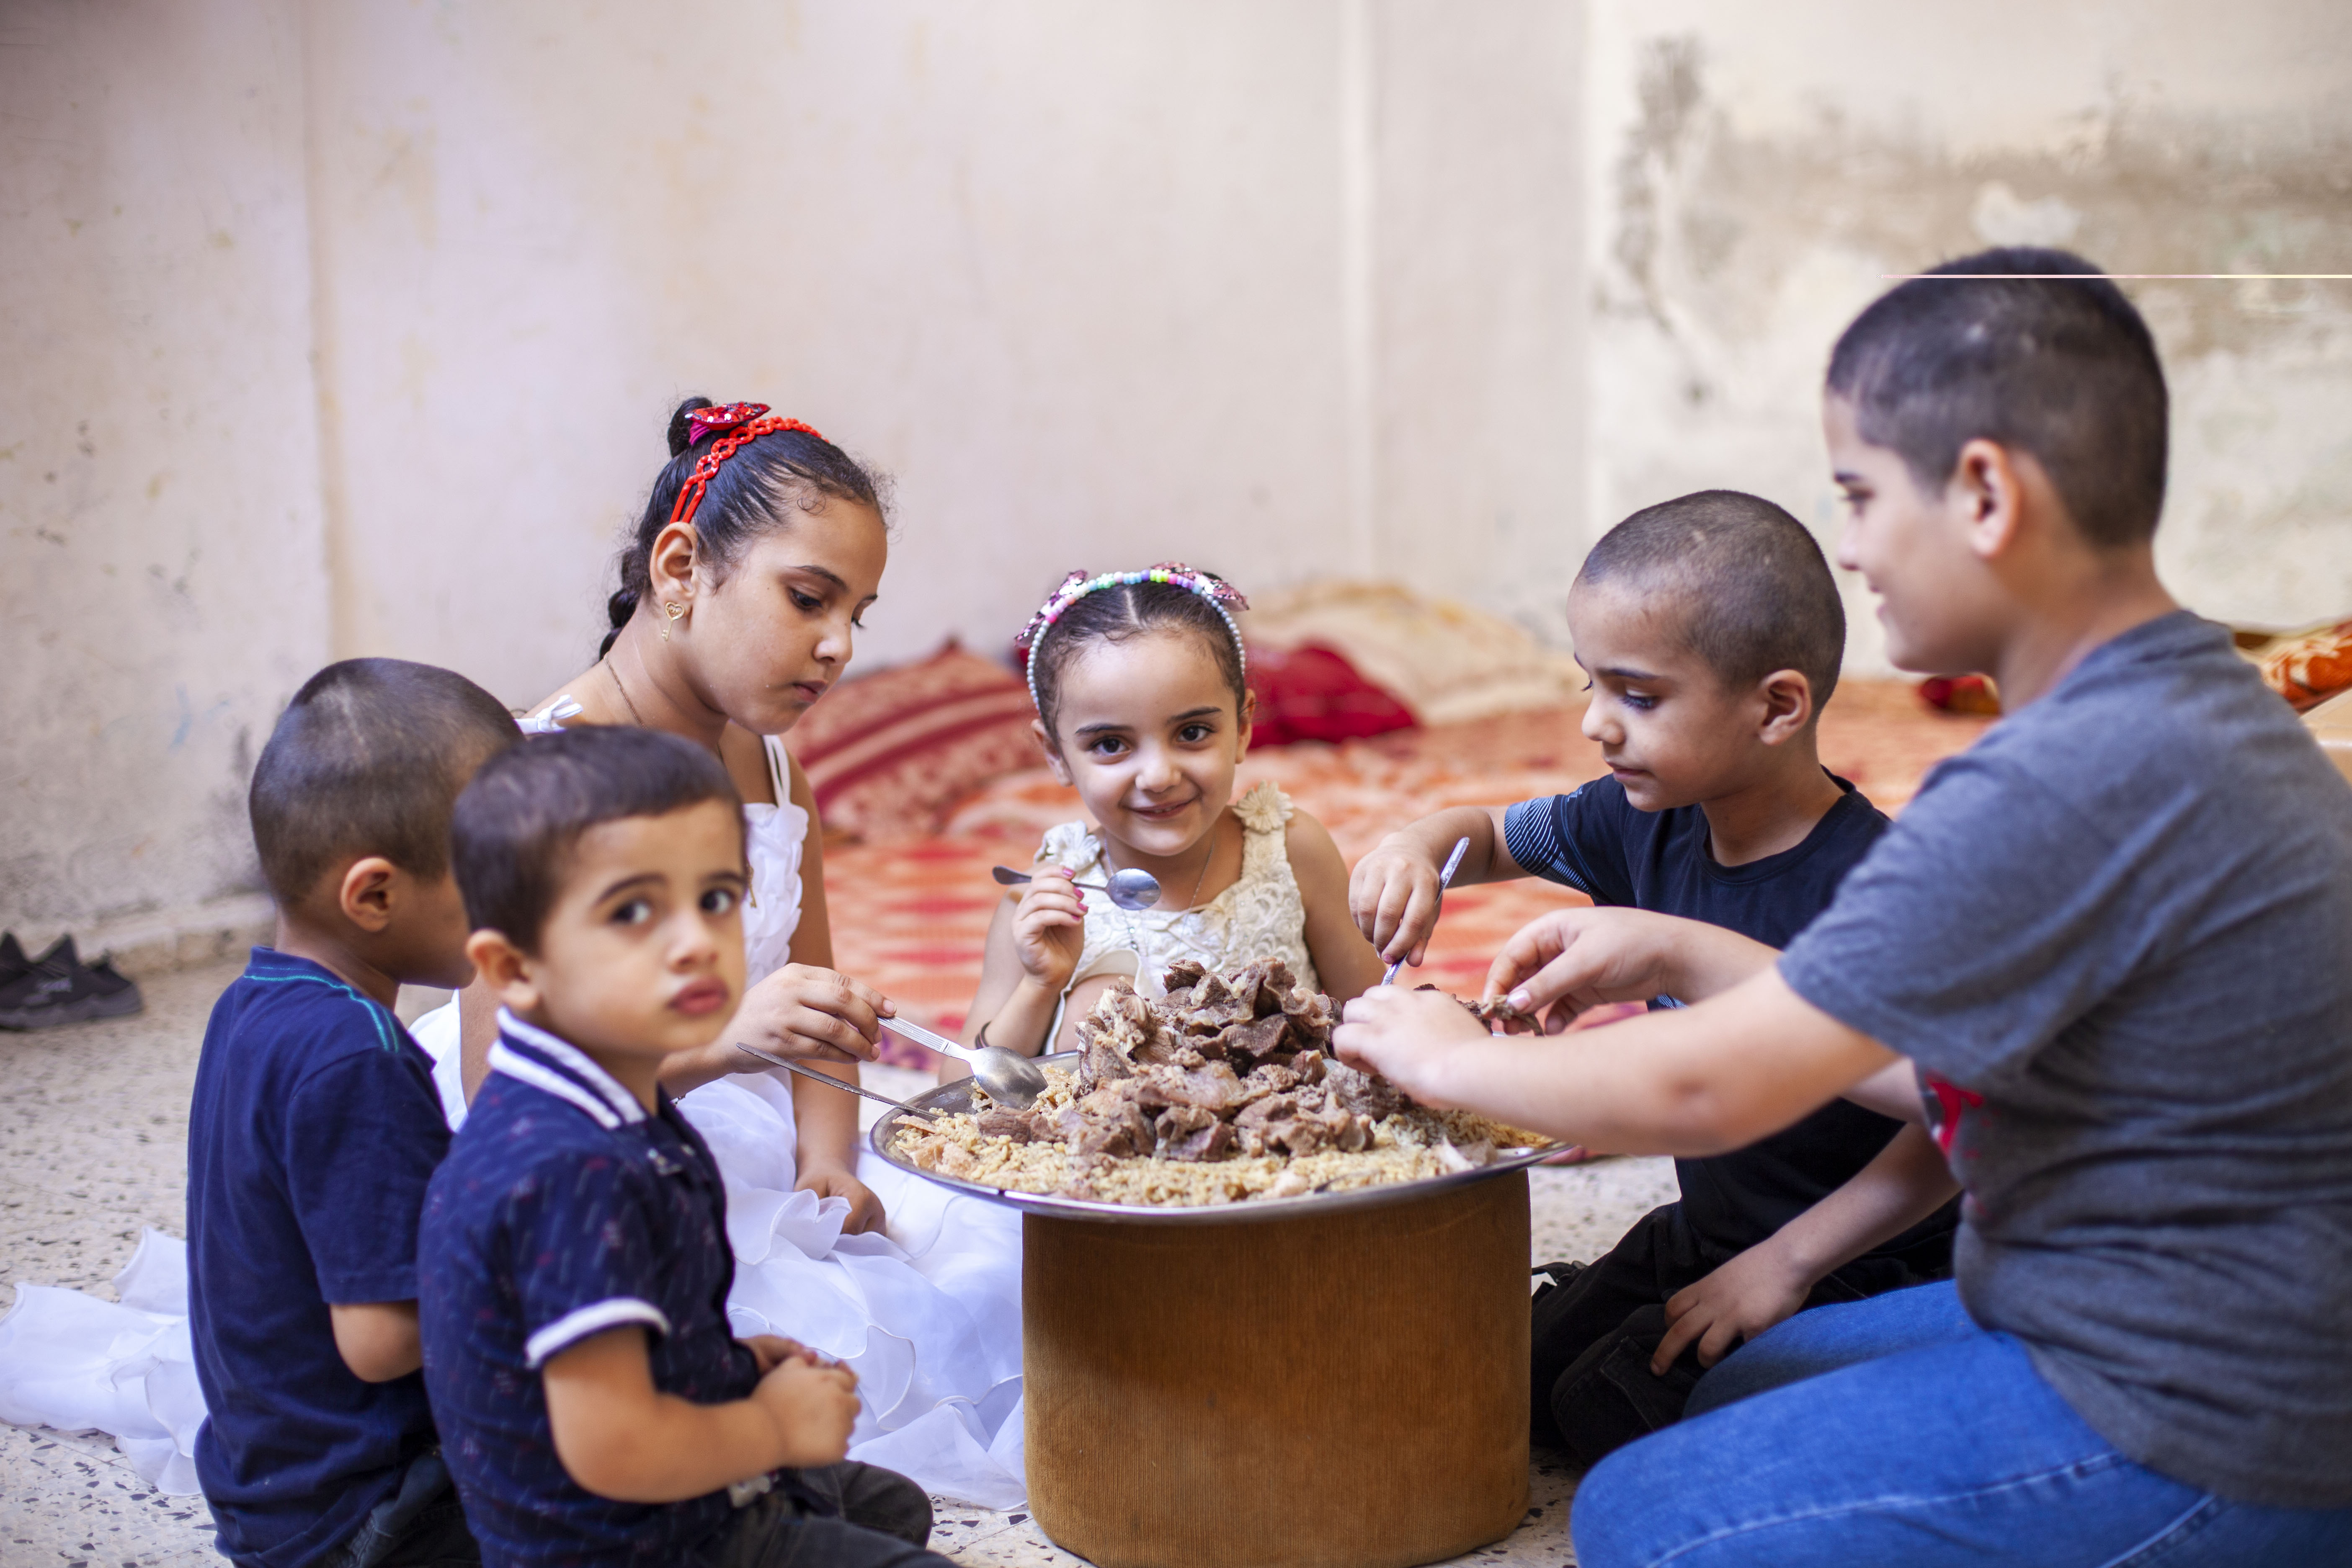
{"points": [[1896, 1431]]}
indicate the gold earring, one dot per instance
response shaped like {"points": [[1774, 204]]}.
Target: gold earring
{"points": [[675, 611]]}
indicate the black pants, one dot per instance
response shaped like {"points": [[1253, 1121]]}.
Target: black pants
{"points": [[1597, 1326], [878, 1519], [420, 1525]]}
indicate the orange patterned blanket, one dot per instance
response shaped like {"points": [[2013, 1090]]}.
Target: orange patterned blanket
{"points": [[910, 916]]}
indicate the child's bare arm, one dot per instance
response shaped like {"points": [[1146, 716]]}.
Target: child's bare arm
{"points": [[620, 1437], [1393, 897], [1702, 1079], [1344, 961], [1034, 943], [1906, 1183], [377, 1339], [827, 1119], [1570, 960], [1894, 1091]]}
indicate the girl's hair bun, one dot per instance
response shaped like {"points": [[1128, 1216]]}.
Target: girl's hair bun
{"points": [[680, 432]]}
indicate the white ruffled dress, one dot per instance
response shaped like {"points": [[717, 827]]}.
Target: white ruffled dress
{"points": [[929, 1316], [1262, 915]]}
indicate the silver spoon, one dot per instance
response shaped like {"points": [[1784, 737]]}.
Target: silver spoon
{"points": [[1129, 890], [832, 1082], [1011, 1079], [1445, 880]]}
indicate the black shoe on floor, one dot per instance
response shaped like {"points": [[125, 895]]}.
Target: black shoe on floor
{"points": [[14, 965], [60, 989]]}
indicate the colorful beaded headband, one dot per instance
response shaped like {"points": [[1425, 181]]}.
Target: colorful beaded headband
{"points": [[1078, 585], [736, 425]]}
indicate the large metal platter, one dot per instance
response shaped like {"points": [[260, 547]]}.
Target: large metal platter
{"points": [[957, 1096]]}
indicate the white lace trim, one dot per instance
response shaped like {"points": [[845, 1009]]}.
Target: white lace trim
{"points": [[1262, 915], [773, 838]]}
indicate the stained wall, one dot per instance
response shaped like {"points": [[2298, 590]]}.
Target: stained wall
{"points": [[163, 581], [1096, 285], [1757, 173], [351, 328]]}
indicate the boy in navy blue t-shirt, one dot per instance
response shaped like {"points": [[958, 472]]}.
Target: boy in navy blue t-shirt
{"points": [[314, 1127], [594, 1405], [1712, 631]]}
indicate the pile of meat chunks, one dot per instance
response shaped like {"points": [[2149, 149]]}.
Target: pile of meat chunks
{"points": [[1220, 1068]]}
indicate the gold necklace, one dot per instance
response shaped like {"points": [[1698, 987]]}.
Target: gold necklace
{"points": [[1203, 879], [1198, 882], [615, 672]]}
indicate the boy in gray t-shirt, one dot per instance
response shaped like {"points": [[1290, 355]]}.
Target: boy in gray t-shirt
{"points": [[2115, 941]]}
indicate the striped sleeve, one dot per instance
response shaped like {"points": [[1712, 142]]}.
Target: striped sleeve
{"points": [[1532, 836], [586, 1322]]}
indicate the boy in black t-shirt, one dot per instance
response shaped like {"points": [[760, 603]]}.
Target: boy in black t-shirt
{"points": [[1712, 632]]}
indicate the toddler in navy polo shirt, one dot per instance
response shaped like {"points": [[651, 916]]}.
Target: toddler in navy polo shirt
{"points": [[314, 1127], [594, 1406], [1712, 632]]}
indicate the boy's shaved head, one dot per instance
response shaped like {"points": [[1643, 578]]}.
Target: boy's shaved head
{"points": [[368, 760], [2060, 367], [1744, 580]]}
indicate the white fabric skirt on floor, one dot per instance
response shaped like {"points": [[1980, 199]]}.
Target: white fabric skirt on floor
{"points": [[74, 1363], [929, 1316]]}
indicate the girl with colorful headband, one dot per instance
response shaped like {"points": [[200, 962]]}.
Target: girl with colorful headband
{"points": [[741, 589], [1143, 704]]}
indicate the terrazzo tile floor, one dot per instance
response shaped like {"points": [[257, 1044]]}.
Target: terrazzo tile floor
{"points": [[94, 1127]]}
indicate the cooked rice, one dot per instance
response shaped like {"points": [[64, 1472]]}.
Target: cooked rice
{"points": [[1412, 1145]]}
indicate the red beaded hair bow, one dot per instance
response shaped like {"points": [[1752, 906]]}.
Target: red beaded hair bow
{"points": [[736, 425]]}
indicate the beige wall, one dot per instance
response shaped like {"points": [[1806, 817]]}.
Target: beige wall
{"points": [[163, 575], [1079, 276], [373, 313], [1477, 415], [1098, 285], [1756, 170]]}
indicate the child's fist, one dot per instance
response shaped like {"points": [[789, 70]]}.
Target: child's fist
{"points": [[1049, 929], [1393, 898], [770, 1351], [813, 1408]]}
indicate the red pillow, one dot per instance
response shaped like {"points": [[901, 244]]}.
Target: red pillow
{"points": [[1312, 694], [2312, 666], [1960, 694], [887, 754]]}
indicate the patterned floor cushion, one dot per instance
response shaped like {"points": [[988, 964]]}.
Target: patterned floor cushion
{"points": [[887, 754]]}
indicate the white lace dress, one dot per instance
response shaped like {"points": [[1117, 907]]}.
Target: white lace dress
{"points": [[1262, 915], [929, 1316]]}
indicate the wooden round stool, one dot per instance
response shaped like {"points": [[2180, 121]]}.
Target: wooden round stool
{"points": [[1347, 1389]]}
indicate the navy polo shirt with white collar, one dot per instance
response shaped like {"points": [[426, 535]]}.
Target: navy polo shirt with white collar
{"points": [[312, 1133], [563, 1210]]}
